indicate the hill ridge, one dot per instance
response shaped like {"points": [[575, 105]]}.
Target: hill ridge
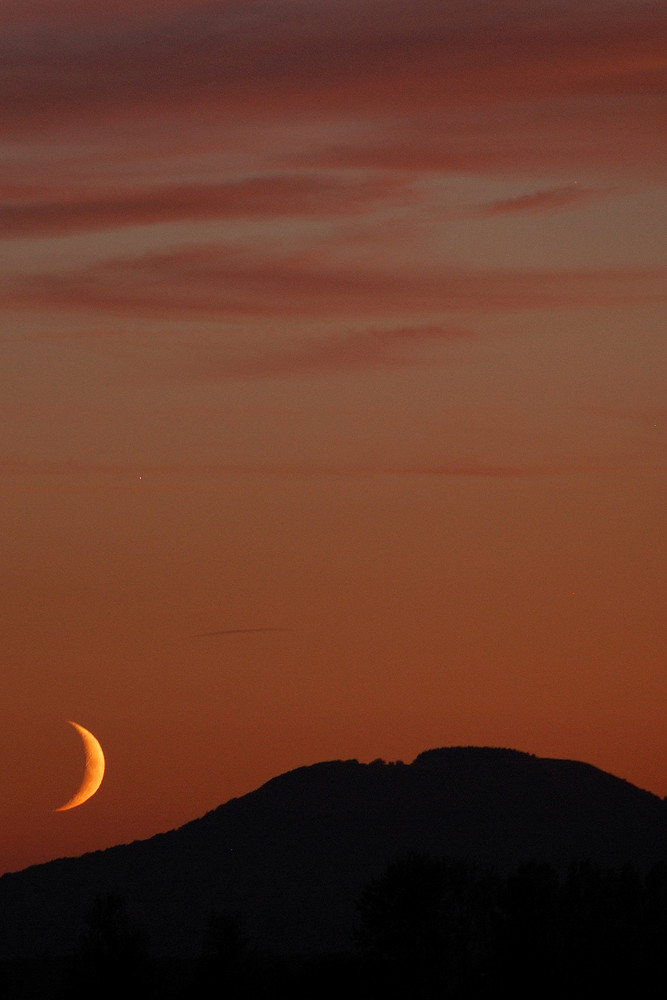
{"points": [[294, 854]]}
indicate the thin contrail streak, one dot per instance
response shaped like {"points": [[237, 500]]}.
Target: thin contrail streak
{"points": [[235, 631]]}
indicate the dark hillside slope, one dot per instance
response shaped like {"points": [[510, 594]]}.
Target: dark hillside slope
{"points": [[293, 855]]}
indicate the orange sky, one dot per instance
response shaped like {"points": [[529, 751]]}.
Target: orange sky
{"points": [[339, 326]]}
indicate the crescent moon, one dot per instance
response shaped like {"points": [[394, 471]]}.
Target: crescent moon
{"points": [[94, 769]]}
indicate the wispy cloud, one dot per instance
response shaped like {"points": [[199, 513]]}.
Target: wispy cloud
{"points": [[12, 466], [565, 135], [213, 282], [552, 199], [342, 353], [336, 61], [297, 54], [264, 197], [146, 476], [490, 471]]}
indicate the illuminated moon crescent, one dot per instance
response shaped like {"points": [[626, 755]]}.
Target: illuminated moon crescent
{"points": [[94, 770]]}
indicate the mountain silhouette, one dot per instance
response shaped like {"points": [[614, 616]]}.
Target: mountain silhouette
{"points": [[294, 855]]}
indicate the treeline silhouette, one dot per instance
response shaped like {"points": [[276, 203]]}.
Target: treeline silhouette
{"points": [[430, 928], [427, 928]]}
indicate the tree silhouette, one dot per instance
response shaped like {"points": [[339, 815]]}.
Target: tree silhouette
{"points": [[426, 927], [527, 945], [112, 958], [226, 956], [435, 929]]}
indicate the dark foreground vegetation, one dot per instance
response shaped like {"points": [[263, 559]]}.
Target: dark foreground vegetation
{"points": [[426, 928]]}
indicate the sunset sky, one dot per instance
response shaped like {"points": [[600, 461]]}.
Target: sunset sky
{"points": [[334, 419]]}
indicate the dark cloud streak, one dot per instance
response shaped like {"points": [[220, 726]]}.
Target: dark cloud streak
{"points": [[233, 62]]}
